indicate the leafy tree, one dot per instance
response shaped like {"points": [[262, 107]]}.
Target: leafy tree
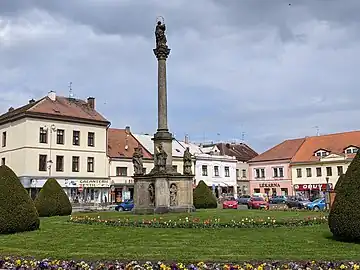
{"points": [[344, 217], [203, 197], [52, 200], [17, 209]]}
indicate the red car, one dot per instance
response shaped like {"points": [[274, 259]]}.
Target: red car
{"points": [[230, 203], [258, 203]]}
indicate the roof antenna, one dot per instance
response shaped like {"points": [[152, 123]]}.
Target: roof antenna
{"points": [[317, 130], [71, 95], [242, 136]]}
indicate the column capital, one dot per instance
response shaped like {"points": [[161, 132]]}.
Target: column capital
{"points": [[162, 52]]}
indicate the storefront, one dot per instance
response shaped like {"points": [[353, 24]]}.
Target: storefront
{"points": [[311, 190], [121, 193], [271, 188]]}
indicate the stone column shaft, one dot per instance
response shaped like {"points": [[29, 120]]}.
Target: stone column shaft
{"points": [[162, 96]]}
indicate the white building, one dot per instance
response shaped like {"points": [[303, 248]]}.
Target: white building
{"points": [[58, 137]]}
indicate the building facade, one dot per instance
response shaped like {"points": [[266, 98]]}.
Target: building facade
{"points": [[321, 160], [270, 171], [58, 137]]}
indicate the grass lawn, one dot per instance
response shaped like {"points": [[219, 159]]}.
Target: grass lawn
{"points": [[60, 239]]}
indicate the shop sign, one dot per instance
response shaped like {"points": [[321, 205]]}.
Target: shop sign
{"points": [[95, 183], [269, 185], [304, 187]]}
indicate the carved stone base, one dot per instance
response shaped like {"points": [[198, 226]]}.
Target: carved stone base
{"points": [[161, 210], [143, 211]]}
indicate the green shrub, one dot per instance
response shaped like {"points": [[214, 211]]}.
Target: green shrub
{"points": [[17, 209], [203, 197], [344, 217], [52, 200]]}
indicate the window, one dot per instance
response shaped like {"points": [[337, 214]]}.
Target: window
{"points": [[90, 164], [174, 167], [318, 154], [227, 172], [204, 170], [299, 173], [355, 150], [4, 139], [59, 163], [340, 170], [351, 150], [144, 170], [348, 151], [308, 172], [328, 171], [60, 136], [260, 173], [216, 170], [278, 172], [243, 172], [3, 161], [321, 153], [121, 171], [318, 171], [237, 173], [75, 164], [76, 137], [42, 163], [91, 139], [43, 135]]}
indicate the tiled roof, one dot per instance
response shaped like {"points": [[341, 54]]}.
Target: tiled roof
{"points": [[333, 143], [117, 141], [283, 151], [241, 151], [61, 107]]}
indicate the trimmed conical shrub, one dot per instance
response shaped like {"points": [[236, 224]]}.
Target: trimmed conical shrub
{"points": [[339, 182], [203, 197], [17, 209], [344, 217], [52, 200]]}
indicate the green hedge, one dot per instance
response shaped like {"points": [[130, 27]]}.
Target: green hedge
{"points": [[17, 209], [344, 217], [203, 197], [52, 200]]}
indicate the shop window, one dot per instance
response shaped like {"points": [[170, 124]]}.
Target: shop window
{"points": [[256, 190], [284, 191]]}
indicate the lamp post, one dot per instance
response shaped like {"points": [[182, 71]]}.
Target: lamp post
{"points": [[327, 194], [50, 162]]}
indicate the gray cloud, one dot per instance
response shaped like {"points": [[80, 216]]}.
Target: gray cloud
{"points": [[266, 68]]}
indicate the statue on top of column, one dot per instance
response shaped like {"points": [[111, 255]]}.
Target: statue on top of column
{"points": [[160, 35], [137, 160]]}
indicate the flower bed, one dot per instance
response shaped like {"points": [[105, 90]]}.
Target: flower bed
{"points": [[201, 224], [20, 263]]}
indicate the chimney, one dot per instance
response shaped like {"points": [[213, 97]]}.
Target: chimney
{"points": [[10, 109], [127, 130], [91, 102], [186, 139], [52, 95], [31, 101]]}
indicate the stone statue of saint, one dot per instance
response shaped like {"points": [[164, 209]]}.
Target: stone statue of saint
{"points": [[138, 161], [173, 194], [160, 35], [161, 157], [151, 190], [187, 162]]}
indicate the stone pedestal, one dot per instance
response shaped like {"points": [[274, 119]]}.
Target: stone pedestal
{"points": [[165, 188]]}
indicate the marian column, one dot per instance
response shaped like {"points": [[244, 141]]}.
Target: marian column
{"points": [[162, 138]]}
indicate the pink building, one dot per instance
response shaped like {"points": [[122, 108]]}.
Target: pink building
{"points": [[270, 171]]}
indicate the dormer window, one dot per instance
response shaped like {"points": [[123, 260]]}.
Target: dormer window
{"points": [[321, 153], [351, 150]]}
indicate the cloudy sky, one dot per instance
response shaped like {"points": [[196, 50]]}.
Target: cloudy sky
{"points": [[269, 69]]}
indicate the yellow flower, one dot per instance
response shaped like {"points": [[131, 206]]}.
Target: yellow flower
{"points": [[18, 262], [343, 266], [249, 266]]}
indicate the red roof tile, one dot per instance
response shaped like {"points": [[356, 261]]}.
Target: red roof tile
{"points": [[118, 139], [333, 143], [283, 151]]}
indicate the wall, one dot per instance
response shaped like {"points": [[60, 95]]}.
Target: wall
{"points": [[242, 180], [23, 149], [269, 182]]}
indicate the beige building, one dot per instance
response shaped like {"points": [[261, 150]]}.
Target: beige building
{"points": [[322, 159], [58, 137]]}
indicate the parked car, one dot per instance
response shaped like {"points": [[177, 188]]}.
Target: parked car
{"points": [[127, 205], [258, 203], [277, 199], [230, 203], [317, 205], [297, 202], [244, 199]]}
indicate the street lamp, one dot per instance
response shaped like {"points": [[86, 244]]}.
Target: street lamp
{"points": [[50, 162]]}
